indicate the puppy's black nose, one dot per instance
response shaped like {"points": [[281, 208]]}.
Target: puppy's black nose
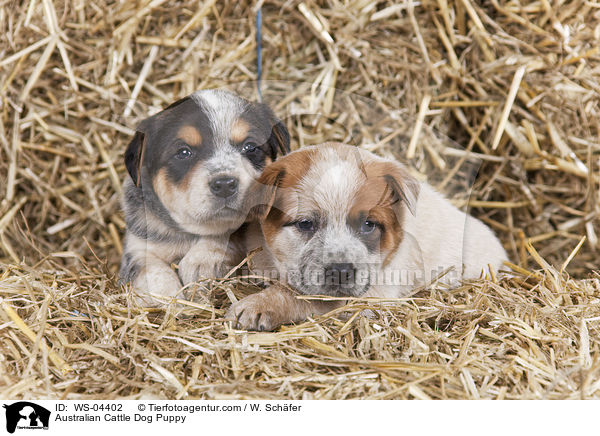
{"points": [[224, 186], [340, 273]]}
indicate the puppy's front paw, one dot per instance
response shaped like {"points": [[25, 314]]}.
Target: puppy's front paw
{"points": [[254, 313], [190, 271], [207, 259], [156, 279]]}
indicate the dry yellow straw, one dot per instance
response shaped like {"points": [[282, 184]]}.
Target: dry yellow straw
{"points": [[58, 361]]}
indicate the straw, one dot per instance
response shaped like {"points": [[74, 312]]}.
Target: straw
{"points": [[494, 103]]}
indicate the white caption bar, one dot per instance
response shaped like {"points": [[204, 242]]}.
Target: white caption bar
{"points": [[155, 417]]}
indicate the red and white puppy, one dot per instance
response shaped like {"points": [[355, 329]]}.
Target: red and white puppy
{"points": [[344, 222]]}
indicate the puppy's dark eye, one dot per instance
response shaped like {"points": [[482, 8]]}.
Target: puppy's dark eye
{"points": [[183, 153], [250, 147], [368, 226], [305, 225]]}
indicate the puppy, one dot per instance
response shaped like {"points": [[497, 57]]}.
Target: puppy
{"points": [[193, 170], [343, 222]]}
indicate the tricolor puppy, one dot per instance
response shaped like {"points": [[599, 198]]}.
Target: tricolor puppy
{"points": [[193, 171], [343, 222]]}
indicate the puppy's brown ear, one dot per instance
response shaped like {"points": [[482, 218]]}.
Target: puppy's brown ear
{"points": [[403, 185], [272, 174], [134, 157], [279, 176], [270, 180]]}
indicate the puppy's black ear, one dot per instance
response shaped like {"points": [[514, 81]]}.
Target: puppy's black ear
{"points": [[134, 157], [279, 141], [404, 186], [177, 103]]}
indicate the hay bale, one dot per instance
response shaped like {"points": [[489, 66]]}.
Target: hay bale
{"points": [[456, 87]]}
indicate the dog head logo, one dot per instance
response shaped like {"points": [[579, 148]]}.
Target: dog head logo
{"points": [[24, 414]]}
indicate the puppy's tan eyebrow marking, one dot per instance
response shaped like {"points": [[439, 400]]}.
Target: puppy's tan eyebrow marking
{"points": [[239, 130], [190, 135]]}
